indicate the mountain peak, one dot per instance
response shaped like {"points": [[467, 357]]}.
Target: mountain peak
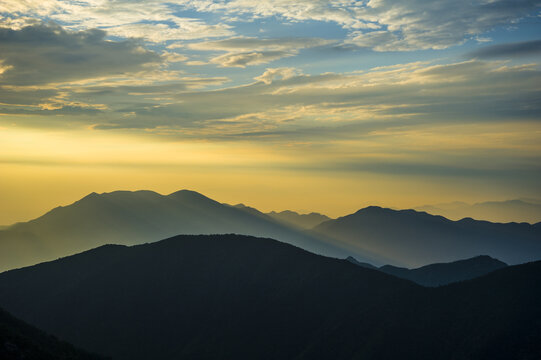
{"points": [[188, 195], [378, 210], [371, 208]]}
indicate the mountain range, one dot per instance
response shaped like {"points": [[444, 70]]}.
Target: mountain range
{"points": [[124, 217], [303, 221], [443, 273], [409, 238], [288, 217], [517, 210], [379, 236], [239, 297]]}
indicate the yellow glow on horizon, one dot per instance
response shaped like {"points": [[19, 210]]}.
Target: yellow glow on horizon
{"points": [[42, 169]]}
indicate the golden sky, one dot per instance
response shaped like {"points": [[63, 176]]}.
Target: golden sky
{"points": [[312, 105]]}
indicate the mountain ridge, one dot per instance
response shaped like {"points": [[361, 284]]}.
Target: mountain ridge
{"points": [[126, 217], [412, 239], [231, 296]]}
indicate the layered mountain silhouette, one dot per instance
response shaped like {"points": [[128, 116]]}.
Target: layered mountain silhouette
{"points": [[412, 239], [238, 297], [19, 341], [518, 210], [373, 235], [303, 221], [125, 217], [444, 273], [288, 217], [352, 260]]}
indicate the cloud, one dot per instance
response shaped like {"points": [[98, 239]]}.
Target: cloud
{"points": [[46, 53], [277, 73], [184, 29], [259, 44], [437, 24], [248, 58], [341, 12], [384, 25], [154, 21], [173, 57], [284, 104], [396, 25], [246, 51], [510, 50]]}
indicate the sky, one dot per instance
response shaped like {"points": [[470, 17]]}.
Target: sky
{"points": [[308, 105]]}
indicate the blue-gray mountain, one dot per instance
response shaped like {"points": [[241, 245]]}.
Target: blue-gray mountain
{"points": [[375, 235], [412, 239], [124, 217], [288, 217], [518, 210], [237, 297]]}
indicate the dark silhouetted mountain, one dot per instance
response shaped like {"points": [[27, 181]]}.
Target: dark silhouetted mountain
{"points": [[412, 239], [352, 260], [517, 210], [303, 221], [446, 273], [20, 341], [125, 217], [202, 297], [237, 297]]}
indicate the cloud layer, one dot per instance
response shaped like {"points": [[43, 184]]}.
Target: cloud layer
{"points": [[46, 53], [440, 88]]}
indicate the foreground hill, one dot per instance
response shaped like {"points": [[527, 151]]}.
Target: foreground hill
{"points": [[415, 239], [20, 341], [125, 217], [237, 297]]}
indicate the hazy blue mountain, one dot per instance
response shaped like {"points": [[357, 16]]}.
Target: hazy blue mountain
{"points": [[288, 217], [253, 211], [517, 210], [125, 217], [303, 221], [237, 297], [446, 273], [20, 341], [412, 239]]}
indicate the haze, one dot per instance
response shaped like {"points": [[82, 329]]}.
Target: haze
{"points": [[322, 106]]}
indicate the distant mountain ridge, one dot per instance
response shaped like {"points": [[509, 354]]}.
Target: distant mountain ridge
{"points": [[516, 210], [288, 217], [415, 239], [373, 235], [125, 217], [303, 221], [237, 297]]}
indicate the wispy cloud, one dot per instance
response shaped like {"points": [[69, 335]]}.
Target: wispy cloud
{"points": [[245, 51], [387, 24], [509, 50], [285, 104]]}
